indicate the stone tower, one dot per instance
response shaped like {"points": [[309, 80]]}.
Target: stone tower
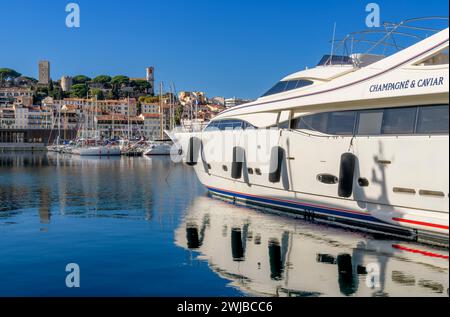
{"points": [[44, 72], [150, 76]]}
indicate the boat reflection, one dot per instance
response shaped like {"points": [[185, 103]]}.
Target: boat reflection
{"points": [[108, 187], [266, 254]]}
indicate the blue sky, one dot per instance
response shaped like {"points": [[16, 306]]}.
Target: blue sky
{"points": [[224, 47]]}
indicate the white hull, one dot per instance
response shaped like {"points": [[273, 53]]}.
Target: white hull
{"points": [[97, 151], [158, 149], [376, 208]]}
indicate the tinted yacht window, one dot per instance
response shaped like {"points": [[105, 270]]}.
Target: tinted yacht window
{"points": [[373, 122], [369, 122], [283, 86], [433, 120], [316, 122], [237, 125], [226, 125], [399, 121], [278, 88], [292, 84], [213, 126], [341, 123]]}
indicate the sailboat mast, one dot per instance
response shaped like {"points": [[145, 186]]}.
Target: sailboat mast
{"points": [[93, 117], [161, 112], [128, 118], [172, 97], [59, 123], [112, 129]]}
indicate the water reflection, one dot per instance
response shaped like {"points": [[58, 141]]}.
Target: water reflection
{"points": [[87, 187], [265, 254], [123, 212]]}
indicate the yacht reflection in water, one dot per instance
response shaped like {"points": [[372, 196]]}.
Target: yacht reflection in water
{"points": [[264, 254]]}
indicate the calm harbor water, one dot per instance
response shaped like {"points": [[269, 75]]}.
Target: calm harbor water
{"points": [[146, 227]]}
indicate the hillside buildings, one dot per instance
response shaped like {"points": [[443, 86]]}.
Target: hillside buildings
{"points": [[11, 94], [233, 102], [122, 114]]}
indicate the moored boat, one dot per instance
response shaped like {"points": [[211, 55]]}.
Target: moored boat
{"points": [[360, 140]]}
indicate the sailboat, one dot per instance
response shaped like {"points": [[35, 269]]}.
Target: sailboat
{"points": [[160, 147], [95, 147]]}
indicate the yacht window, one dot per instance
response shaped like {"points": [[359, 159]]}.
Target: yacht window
{"points": [[440, 58], [292, 84], [389, 121], [341, 123], [399, 121], [246, 125], [369, 122], [226, 125], [335, 60], [283, 86], [212, 126], [433, 120], [316, 122], [278, 88], [237, 125]]}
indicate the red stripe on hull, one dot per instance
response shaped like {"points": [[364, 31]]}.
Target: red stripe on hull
{"points": [[426, 253], [420, 223]]}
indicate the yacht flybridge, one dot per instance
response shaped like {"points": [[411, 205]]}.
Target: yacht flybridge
{"points": [[360, 140]]}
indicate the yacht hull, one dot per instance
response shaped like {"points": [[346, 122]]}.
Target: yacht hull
{"points": [[376, 208]]}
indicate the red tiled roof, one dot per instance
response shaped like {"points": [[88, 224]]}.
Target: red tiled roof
{"points": [[151, 115]]}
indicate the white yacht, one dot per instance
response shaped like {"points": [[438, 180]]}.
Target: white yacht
{"points": [[360, 140], [95, 148], [158, 148]]}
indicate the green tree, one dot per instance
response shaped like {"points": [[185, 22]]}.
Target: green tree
{"points": [[39, 94], [79, 91], [94, 92], [120, 80], [102, 79], [149, 99], [115, 91], [178, 114], [109, 94], [141, 86], [80, 79], [8, 73]]}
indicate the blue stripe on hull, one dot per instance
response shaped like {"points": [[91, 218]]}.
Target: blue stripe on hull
{"points": [[296, 206]]}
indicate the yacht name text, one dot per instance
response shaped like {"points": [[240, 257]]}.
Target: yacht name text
{"points": [[408, 84]]}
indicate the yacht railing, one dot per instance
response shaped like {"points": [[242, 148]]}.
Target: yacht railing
{"points": [[388, 39]]}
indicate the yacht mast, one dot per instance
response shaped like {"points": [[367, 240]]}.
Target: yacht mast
{"points": [[332, 44]]}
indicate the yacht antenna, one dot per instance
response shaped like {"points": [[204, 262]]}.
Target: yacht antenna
{"points": [[332, 44]]}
